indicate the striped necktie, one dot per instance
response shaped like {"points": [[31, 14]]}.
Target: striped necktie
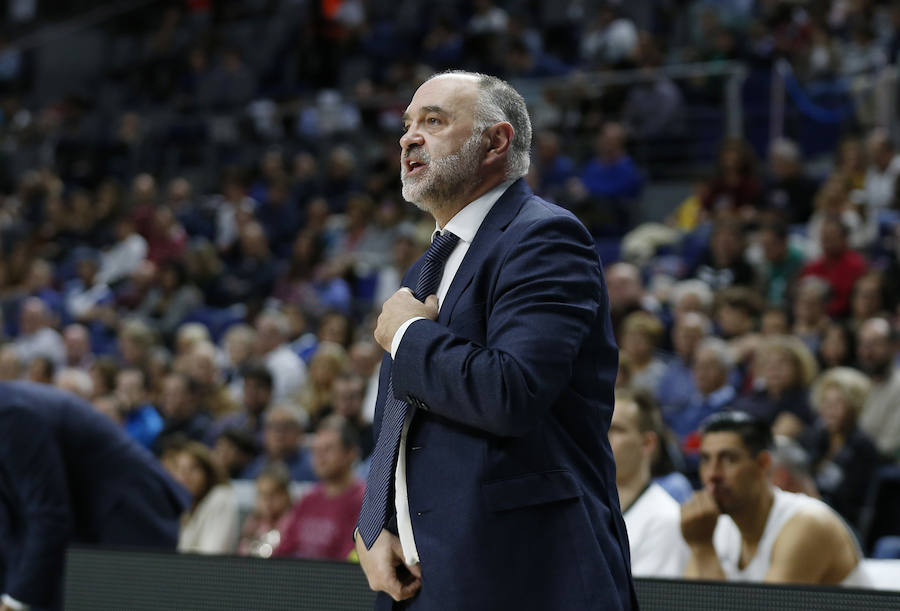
{"points": [[374, 512]]}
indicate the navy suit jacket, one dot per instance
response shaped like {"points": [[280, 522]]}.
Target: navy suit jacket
{"points": [[69, 474], [510, 475]]}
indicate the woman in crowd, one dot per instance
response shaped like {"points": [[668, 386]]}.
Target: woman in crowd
{"points": [[784, 368], [263, 527], [843, 457], [211, 524]]}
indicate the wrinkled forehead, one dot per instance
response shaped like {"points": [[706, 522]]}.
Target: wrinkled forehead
{"points": [[723, 441], [449, 93]]}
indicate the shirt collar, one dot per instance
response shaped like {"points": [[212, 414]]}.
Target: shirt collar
{"points": [[466, 222]]}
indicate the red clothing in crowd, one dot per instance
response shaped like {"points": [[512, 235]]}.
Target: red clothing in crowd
{"points": [[321, 526], [841, 273]]}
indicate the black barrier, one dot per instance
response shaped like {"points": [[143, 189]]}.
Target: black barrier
{"points": [[103, 580]]}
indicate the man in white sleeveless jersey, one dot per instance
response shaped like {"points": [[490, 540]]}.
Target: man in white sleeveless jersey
{"points": [[741, 528]]}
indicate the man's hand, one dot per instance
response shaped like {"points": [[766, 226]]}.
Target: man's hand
{"points": [[385, 569], [400, 307], [698, 519]]}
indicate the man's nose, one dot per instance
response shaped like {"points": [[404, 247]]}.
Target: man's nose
{"points": [[410, 138]]}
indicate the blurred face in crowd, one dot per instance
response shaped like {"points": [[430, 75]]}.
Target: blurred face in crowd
{"points": [[780, 371], [874, 349], [202, 364], [867, 301], [33, 316], [835, 410], [623, 282], [729, 472], [331, 460], [229, 456], [272, 499], [774, 247], [774, 322], [257, 395], [834, 348], [268, 335], [77, 343], [323, 369], [809, 306], [687, 334], [190, 473], [130, 388], [239, 345], [10, 365], [364, 358], [176, 402], [347, 397], [733, 321], [631, 447], [726, 246], [833, 238], [709, 372], [440, 151], [109, 406], [282, 435], [637, 345], [334, 328]]}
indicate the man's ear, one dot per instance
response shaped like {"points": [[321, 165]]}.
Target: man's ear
{"points": [[500, 136], [764, 461]]}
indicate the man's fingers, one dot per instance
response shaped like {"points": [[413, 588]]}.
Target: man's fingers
{"points": [[409, 590], [416, 570]]}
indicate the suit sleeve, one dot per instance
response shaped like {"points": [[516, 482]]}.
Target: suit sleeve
{"points": [[546, 300], [32, 459]]}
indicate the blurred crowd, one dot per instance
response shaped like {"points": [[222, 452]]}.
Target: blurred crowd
{"points": [[199, 241]]}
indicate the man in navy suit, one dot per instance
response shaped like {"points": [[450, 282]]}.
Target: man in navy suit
{"points": [[496, 394], [68, 474]]}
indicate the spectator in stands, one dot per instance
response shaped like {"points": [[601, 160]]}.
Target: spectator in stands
{"points": [[210, 526], [737, 312], [723, 264], [868, 298], [141, 420], [287, 369], [739, 527], [321, 525], [71, 476], [789, 193], [166, 238], [882, 173], [611, 177], [234, 449], [303, 282], [206, 377], [843, 456], [264, 527], [324, 366], [627, 294], [782, 262], [135, 340], [791, 469], [347, 401], [838, 347], [41, 370], [180, 412], [691, 295], [256, 397], [10, 363], [36, 336], [240, 345], [735, 190], [641, 335], [283, 437], [553, 168], [809, 309], [250, 271], [676, 386], [712, 364], [774, 322], [124, 257], [652, 517], [784, 369], [75, 381], [880, 418], [77, 342], [839, 266], [834, 200], [170, 300]]}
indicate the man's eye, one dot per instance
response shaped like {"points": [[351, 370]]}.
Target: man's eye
{"points": [[433, 120]]}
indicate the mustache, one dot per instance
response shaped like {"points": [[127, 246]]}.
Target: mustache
{"points": [[417, 155]]}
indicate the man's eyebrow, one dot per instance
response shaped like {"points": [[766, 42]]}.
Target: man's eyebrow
{"points": [[426, 109]]}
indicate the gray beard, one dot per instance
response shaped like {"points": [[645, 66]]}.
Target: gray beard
{"points": [[445, 178]]}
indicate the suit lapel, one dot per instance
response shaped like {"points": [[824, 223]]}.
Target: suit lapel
{"points": [[500, 215]]}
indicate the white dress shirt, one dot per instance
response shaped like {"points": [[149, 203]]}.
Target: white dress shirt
{"points": [[464, 225]]}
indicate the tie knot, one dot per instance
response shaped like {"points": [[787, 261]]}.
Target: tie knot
{"points": [[441, 247]]}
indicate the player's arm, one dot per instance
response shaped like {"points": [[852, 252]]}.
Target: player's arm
{"points": [[699, 516], [804, 549]]}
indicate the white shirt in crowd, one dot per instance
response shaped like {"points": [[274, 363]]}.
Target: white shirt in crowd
{"points": [[654, 535]]}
